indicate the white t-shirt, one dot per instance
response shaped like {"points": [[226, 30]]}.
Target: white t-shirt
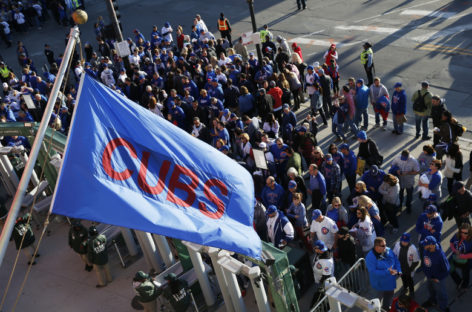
{"points": [[325, 231], [322, 267]]}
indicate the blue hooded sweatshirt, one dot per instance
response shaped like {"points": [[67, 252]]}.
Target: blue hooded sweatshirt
{"points": [[425, 225], [399, 102], [350, 164], [435, 264]]}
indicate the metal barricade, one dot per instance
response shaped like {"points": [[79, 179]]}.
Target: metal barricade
{"points": [[356, 279]]}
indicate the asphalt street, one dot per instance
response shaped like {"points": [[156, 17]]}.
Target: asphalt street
{"points": [[414, 40]]}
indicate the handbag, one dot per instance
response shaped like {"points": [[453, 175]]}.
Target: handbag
{"points": [[360, 166], [401, 118]]}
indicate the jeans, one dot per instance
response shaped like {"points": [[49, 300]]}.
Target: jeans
{"points": [[338, 130], [421, 121], [386, 296], [397, 126], [350, 123], [464, 279], [438, 293], [361, 113], [409, 197]]}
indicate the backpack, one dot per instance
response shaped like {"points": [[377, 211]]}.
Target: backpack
{"points": [[457, 129], [447, 207], [419, 105]]}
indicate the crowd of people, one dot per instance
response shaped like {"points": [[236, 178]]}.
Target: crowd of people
{"points": [[23, 16], [225, 96]]}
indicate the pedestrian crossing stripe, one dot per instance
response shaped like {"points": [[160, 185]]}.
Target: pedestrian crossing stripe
{"points": [[438, 14], [444, 49], [384, 30]]}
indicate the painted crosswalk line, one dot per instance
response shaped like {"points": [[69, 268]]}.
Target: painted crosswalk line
{"points": [[429, 13]]}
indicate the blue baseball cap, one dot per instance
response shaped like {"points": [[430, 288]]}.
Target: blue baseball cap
{"points": [[292, 184], [431, 209], [301, 129], [316, 214], [320, 245], [361, 81], [432, 197], [429, 240], [374, 170], [310, 67], [398, 85], [406, 237], [362, 135], [344, 146], [271, 209]]}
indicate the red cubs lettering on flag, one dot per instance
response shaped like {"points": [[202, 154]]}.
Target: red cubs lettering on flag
{"points": [[180, 192], [125, 166]]}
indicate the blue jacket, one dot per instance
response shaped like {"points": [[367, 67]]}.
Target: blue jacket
{"points": [[371, 180], [273, 196], [362, 97], [289, 118], [216, 92], [380, 277], [349, 164], [435, 264], [321, 182], [399, 102], [246, 103], [279, 233], [425, 225]]}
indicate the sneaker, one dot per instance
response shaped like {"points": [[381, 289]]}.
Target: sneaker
{"points": [[100, 286], [384, 128], [377, 125], [338, 139], [394, 132], [417, 136], [426, 138]]}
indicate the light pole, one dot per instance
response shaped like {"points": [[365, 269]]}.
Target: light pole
{"points": [[254, 29]]}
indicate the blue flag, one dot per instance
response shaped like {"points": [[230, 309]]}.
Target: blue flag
{"points": [[126, 166]]}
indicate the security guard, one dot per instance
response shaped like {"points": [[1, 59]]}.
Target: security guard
{"points": [[225, 28], [146, 291], [78, 237], [264, 33], [4, 72], [176, 293], [97, 253], [367, 60], [23, 228]]}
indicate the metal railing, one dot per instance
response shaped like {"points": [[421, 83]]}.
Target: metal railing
{"points": [[356, 279]]}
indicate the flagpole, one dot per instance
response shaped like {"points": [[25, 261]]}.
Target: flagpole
{"points": [[26, 176]]}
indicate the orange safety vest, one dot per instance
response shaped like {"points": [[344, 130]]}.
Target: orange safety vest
{"points": [[222, 26]]}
